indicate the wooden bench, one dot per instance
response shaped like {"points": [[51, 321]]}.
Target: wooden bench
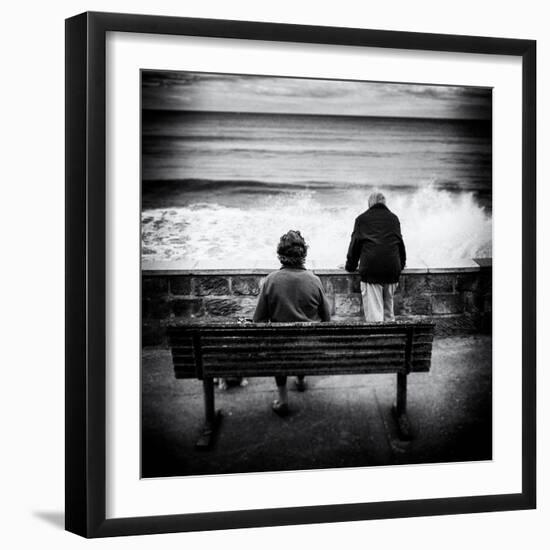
{"points": [[208, 351]]}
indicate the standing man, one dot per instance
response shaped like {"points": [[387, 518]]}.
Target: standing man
{"points": [[377, 247]]}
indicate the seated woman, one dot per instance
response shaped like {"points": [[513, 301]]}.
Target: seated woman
{"points": [[291, 294]]}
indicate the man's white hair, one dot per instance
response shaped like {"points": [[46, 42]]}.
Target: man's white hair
{"points": [[376, 198]]}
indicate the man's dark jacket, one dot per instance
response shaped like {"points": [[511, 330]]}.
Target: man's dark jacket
{"points": [[377, 246]]}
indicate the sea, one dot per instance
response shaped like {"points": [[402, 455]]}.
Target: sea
{"points": [[220, 188]]}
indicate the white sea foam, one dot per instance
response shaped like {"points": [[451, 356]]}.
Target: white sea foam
{"points": [[440, 228]]}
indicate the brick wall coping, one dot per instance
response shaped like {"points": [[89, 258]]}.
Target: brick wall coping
{"points": [[263, 272]]}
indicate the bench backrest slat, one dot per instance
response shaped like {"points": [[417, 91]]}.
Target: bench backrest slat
{"points": [[301, 348]]}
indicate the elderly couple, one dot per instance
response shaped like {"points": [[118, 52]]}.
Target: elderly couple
{"points": [[295, 294]]}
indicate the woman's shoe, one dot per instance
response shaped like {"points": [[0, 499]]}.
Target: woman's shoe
{"points": [[279, 408]]}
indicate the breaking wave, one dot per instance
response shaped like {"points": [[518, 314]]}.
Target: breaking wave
{"points": [[440, 228]]}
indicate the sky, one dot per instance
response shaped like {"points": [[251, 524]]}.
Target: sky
{"points": [[177, 90]]}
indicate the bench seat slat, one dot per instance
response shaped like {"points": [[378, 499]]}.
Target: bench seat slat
{"points": [[416, 363], [335, 327], [218, 339], [299, 367], [333, 351], [183, 366], [218, 336], [265, 355], [182, 354], [307, 361], [180, 340], [208, 342], [318, 371], [182, 374], [311, 346], [184, 362], [253, 362], [214, 339], [183, 359], [421, 366], [314, 341], [300, 342]]}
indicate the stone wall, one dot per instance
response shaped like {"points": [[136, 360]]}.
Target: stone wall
{"points": [[458, 300]]}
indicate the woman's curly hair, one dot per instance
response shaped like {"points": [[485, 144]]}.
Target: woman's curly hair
{"points": [[292, 249]]}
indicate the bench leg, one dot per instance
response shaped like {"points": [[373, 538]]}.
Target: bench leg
{"points": [[211, 416], [399, 410]]}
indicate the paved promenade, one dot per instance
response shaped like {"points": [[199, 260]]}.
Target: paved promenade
{"points": [[339, 421]]}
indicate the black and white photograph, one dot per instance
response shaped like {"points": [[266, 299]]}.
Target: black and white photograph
{"points": [[275, 275], [316, 262]]}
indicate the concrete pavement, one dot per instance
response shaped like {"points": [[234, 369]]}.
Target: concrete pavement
{"points": [[340, 421]]}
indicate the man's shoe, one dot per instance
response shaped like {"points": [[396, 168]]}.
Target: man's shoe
{"points": [[280, 409], [300, 384]]}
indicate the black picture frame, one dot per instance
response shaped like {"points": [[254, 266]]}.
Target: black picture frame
{"points": [[86, 284]]}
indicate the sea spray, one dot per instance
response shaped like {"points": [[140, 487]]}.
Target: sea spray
{"points": [[440, 228]]}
